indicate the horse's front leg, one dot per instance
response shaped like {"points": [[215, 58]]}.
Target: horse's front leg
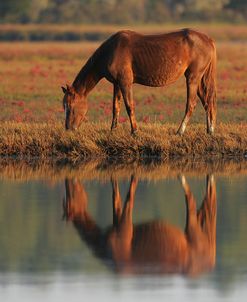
{"points": [[129, 104], [121, 238], [116, 202], [116, 106]]}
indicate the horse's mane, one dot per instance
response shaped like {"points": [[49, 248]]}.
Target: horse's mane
{"points": [[93, 59]]}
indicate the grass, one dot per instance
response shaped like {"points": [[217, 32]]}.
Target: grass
{"points": [[97, 141]]}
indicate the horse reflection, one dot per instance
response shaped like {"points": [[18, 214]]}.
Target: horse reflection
{"points": [[152, 247]]}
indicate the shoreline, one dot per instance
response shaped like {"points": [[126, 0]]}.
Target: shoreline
{"points": [[55, 170]]}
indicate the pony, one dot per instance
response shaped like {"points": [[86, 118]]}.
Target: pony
{"points": [[149, 247], [128, 57]]}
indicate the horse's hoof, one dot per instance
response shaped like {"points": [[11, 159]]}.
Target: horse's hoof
{"points": [[211, 133], [134, 133], [210, 130], [211, 178], [179, 133], [113, 128], [134, 179], [182, 179]]}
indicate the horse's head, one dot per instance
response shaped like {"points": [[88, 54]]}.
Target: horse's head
{"points": [[75, 107], [75, 200]]}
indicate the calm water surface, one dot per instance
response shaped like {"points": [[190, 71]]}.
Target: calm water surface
{"points": [[176, 238]]}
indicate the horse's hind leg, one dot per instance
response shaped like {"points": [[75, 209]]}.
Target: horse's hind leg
{"points": [[191, 218], [192, 86], [116, 106], [126, 224], [207, 212], [210, 110]]}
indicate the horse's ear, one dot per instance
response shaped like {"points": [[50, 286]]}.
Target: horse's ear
{"points": [[70, 89], [64, 89]]}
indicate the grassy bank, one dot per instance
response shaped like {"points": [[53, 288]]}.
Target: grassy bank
{"points": [[96, 141]]}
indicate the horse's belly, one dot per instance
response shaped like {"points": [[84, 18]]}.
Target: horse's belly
{"points": [[157, 75], [157, 65], [159, 242]]}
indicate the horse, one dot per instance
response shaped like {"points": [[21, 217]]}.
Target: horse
{"points": [[128, 57], [151, 247]]}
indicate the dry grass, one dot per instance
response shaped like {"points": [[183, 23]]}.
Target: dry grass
{"points": [[97, 141]]}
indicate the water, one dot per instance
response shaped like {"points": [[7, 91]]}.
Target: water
{"points": [[60, 238]]}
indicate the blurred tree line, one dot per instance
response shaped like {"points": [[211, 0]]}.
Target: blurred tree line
{"points": [[121, 11]]}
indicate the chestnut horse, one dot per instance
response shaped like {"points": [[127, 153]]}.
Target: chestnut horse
{"points": [[157, 245], [128, 57]]}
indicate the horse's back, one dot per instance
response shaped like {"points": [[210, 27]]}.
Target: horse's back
{"points": [[156, 60], [159, 60]]}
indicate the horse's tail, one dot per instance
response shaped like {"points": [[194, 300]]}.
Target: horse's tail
{"points": [[208, 91]]}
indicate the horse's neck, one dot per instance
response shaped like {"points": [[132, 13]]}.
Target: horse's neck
{"points": [[87, 78]]}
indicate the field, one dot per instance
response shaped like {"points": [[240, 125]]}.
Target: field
{"points": [[31, 74]]}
